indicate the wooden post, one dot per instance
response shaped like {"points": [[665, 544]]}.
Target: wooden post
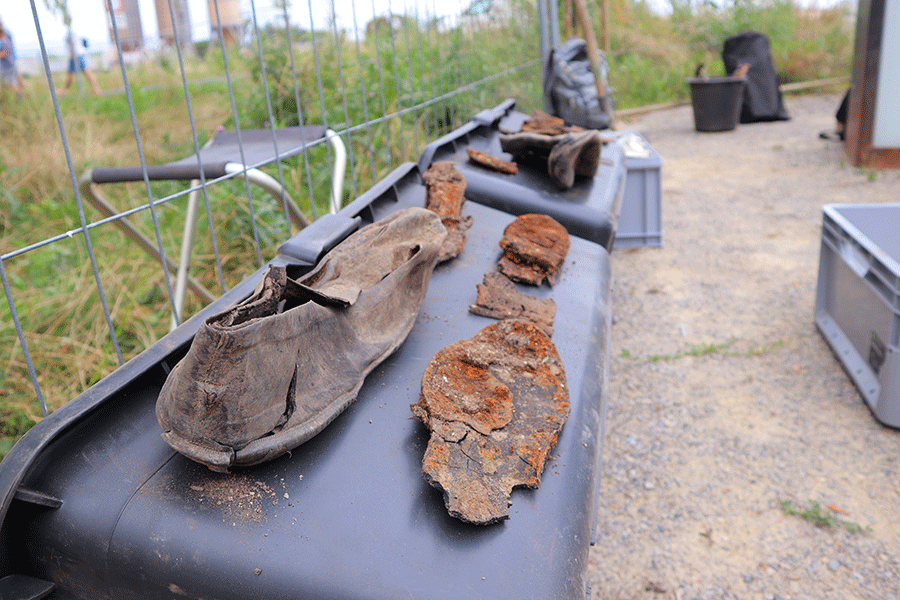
{"points": [[591, 40], [872, 35], [604, 25]]}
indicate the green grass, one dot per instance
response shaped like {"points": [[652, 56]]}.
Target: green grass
{"points": [[707, 349], [54, 288], [820, 516], [651, 55]]}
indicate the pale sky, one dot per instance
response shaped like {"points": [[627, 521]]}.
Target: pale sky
{"points": [[89, 18]]}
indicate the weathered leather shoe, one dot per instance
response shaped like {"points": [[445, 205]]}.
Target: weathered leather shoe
{"points": [[563, 155], [576, 153], [267, 375]]}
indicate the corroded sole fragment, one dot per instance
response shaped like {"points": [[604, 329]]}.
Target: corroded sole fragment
{"points": [[534, 248], [495, 405]]}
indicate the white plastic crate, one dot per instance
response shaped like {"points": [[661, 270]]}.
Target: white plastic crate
{"points": [[640, 216], [858, 299]]}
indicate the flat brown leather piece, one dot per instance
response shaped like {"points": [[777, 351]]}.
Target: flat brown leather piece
{"points": [[492, 162], [499, 298], [534, 248], [495, 405]]}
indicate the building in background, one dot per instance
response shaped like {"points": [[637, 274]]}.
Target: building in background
{"points": [[229, 15], [178, 19], [127, 18]]}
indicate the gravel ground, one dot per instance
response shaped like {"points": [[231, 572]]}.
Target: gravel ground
{"points": [[724, 398]]}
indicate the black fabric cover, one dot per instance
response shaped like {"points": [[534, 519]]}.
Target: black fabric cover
{"points": [[841, 114], [570, 89], [762, 95]]}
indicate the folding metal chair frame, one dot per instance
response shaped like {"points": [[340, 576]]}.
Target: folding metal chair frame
{"points": [[225, 166]]}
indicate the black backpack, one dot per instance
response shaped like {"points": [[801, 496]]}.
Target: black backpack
{"points": [[570, 89]]}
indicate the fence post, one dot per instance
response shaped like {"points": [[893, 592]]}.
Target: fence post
{"points": [[545, 30], [554, 22]]}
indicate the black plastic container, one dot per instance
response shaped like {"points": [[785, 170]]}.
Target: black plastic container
{"points": [[96, 505], [588, 210], [717, 102]]}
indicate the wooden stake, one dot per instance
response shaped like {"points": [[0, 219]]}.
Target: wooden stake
{"points": [[604, 25], [591, 39]]}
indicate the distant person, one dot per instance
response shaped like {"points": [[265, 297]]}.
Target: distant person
{"points": [[76, 59], [9, 73]]}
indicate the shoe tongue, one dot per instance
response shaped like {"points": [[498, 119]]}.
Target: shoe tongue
{"points": [[344, 292], [337, 296]]}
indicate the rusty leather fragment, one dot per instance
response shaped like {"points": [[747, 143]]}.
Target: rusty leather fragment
{"points": [[534, 248], [444, 188], [499, 298], [492, 162], [445, 194], [495, 405], [541, 122]]}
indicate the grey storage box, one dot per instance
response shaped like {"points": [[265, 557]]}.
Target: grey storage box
{"points": [[95, 504], [640, 217], [588, 209], [858, 299]]}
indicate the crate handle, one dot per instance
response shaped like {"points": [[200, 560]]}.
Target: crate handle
{"points": [[880, 288], [856, 258]]}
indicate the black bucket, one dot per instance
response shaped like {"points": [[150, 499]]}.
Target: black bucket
{"points": [[717, 102]]}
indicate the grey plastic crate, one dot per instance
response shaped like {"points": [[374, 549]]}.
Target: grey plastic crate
{"points": [[640, 217], [858, 299]]}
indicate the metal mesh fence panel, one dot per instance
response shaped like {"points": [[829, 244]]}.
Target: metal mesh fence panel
{"points": [[86, 288]]}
